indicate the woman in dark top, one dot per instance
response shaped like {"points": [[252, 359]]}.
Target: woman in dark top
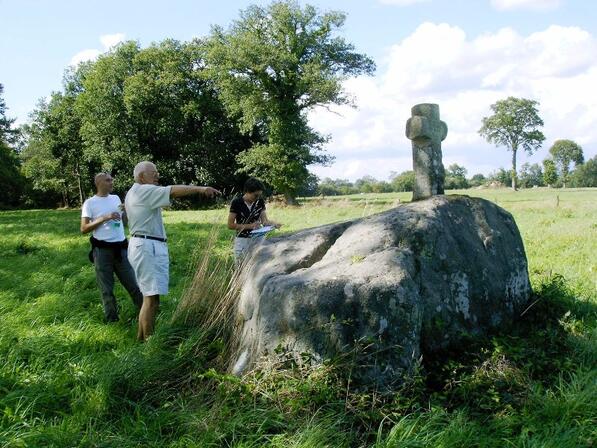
{"points": [[247, 213]]}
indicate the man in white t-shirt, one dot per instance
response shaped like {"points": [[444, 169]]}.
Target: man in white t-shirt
{"points": [[148, 251], [103, 215]]}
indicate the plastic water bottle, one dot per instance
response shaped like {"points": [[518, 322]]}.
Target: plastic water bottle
{"points": [[116, 223]]}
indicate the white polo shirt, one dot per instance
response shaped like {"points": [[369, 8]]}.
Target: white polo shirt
{"points": [[143, 204], [96, 206]]}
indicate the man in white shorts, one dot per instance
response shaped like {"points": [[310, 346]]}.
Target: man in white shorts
{"points": [[148, 251], [103, 215]]}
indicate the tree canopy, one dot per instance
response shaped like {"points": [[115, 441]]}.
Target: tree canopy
{"points": [[515, 124], [564, 153], [12, 182], [456, 177], [531, 175], [54, 159], [550, 173], [586, 174], [273, 65], [129, 105], [7, 132], [157, 104]]}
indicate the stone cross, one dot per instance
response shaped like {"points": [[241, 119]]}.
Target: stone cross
{"points": [[427, 131]]}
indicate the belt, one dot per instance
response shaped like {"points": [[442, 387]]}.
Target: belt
{"points": [[147, 237]]}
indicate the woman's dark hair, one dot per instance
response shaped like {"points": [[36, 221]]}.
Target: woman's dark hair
{"points": [[252, 185]]}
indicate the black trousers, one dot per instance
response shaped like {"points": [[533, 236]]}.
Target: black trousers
{"points": [[106, 265]]}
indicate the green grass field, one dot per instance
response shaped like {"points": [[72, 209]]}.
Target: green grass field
{"points": [[67, 379]]}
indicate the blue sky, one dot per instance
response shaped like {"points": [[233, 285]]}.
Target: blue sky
{"points": [[462, 54]]}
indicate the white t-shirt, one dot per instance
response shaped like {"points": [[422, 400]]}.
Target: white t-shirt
{"points": [[96, 206], [143, 205]]}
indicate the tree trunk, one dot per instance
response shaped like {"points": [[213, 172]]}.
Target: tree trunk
{"points": [[290, 199], [65, 198], [514, 169], [78, 174]]}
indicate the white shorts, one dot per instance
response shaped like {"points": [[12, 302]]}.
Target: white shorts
{"points": [[149, 260]]}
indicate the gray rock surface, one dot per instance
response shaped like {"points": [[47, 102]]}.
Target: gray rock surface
{"points": [[408, 281]]}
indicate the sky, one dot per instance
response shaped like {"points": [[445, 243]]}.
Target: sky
{"points": [[461, 54]]}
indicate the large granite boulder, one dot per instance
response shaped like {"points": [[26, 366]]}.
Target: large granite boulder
{"points": [[408, 281]]}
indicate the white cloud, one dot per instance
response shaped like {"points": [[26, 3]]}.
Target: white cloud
{"points": [[438, 63], [110, 40], [107, 41], [536, 5], [402, 2], [85, 55]]}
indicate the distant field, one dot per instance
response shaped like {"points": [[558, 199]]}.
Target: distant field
{"points": [[559, 227], [67, 379]]}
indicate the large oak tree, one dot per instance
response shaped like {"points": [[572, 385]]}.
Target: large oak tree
{"points": [[273, 65]]}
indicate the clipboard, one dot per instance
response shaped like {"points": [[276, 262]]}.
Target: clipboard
{"points": [[261, 231]]}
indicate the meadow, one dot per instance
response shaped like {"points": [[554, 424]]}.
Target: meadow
{"points": [[67, 379]]}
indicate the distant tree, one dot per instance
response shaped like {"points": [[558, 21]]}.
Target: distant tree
{"points": [[368, 184], [326, 187], [12, 183], [500, 176], [63, 130], [455, 177], [456, 170], [477, 180], [585, 175], [563, 153], [273, 65], [310, 187], [335, 187], [365, 184], [550, 173], [404, 181], [530, 175], [53, 158], [382, 187], [8, 134], [43, 171], [514, 124]]}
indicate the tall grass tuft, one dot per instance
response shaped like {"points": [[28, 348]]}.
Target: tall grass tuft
{"points": [[209, 299]]}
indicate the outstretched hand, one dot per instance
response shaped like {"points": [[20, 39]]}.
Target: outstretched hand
{"points": [[211, 192]]}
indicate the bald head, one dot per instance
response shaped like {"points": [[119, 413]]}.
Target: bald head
{"points": [[103, 183], [145, 173], [100, 177]]}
